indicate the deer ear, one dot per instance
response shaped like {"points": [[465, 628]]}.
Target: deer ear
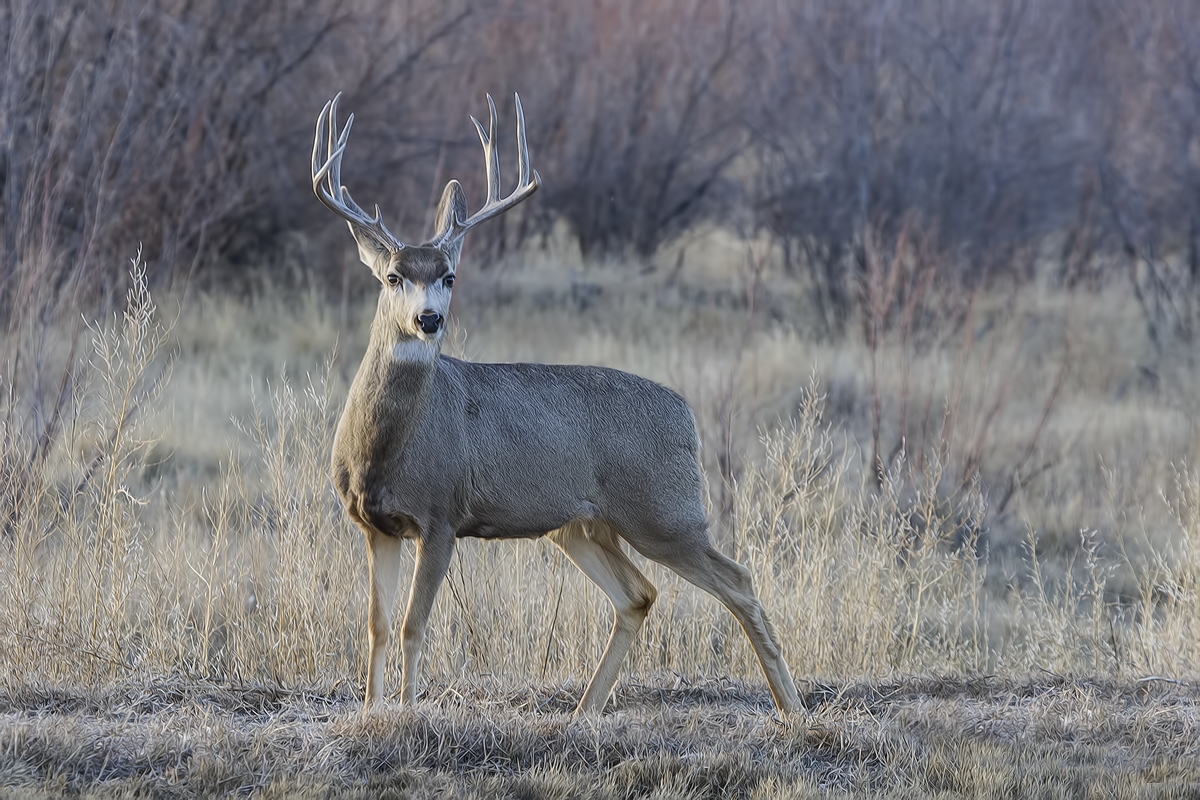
{"points": [[453, 208], [373, 252]]}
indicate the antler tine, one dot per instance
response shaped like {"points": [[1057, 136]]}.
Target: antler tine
{"points": [[327, 177], [522, 148], [527, 184], [491, 157]]}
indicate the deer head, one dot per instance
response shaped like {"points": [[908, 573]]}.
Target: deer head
{"points": [[416, 280]]}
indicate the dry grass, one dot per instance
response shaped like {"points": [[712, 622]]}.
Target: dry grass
{"points": [[982, 737], [182, 606]]}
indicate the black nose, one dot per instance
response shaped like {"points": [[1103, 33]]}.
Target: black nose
{"points": [[429, 321]]}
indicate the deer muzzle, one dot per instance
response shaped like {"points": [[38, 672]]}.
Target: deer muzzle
{"points": [[430, 322]]}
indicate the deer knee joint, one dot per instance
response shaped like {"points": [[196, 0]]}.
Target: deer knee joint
{"points": [[379, 629], [411, 636], [739, 577], [642, 602]]}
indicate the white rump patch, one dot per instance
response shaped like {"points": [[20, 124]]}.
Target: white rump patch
{"points": [[414, 350]]}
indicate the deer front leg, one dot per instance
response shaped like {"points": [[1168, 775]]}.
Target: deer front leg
{"points": [[433, 560], [383, 567]]}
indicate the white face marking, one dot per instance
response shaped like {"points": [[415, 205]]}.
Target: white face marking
{"points": [[419, 351]]}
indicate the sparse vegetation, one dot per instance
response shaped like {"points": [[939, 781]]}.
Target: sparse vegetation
{"points": [[984, 737]]}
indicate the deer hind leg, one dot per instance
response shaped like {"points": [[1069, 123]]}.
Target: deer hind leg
{"points": [[383, 567], [433, 560], [596, 550], [730, 583]]}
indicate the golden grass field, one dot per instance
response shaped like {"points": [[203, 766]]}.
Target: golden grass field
{"points": [[1010, 606]]}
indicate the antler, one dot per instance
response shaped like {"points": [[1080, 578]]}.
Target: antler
{"points": [[327, 178], [495, 206]]}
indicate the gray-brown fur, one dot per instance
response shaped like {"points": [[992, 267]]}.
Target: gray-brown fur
{"points": [[431, 449]]}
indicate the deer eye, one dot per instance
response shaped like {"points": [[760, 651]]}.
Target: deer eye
{"points": [[393, 279], [448, 281]]}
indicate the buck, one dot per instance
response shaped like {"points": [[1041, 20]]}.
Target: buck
{"points": [[433, 449]]}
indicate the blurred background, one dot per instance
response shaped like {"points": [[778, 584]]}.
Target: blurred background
{"points": [[1003, 131], [936, 263]]}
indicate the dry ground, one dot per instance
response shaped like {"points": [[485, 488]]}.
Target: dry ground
{"points": [[665, 737]]}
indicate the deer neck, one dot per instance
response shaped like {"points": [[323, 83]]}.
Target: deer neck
{"points": [[393, 388]]}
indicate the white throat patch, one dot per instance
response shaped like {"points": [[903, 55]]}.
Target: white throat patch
{"points": [[414, 350]]}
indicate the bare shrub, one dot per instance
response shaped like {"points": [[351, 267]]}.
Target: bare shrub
{"points": [[1148, 176], [997, 126], [170, 124], [115, 114], [638, 133]]}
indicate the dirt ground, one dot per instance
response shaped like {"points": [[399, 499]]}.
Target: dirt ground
{"points": [[663, 737]]}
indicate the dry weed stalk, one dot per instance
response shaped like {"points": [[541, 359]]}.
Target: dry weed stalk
{"points": [[77, 500]]}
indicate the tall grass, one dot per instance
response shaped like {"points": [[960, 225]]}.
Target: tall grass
{"points": [[112, 569]]}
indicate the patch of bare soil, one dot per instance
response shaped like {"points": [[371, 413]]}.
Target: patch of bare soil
{"points": [[668, 737]]}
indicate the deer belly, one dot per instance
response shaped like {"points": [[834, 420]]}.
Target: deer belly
{"points": [[510, 523], [485, 530]]}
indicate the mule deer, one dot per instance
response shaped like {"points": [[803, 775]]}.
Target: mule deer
{"points": [[431, 448]]}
